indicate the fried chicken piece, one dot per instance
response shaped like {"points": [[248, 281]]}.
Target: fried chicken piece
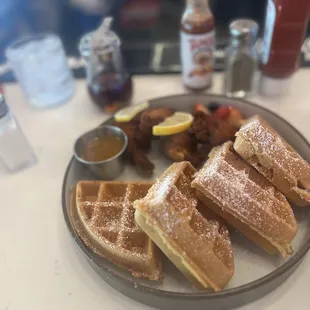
{"points": [[229, 114], [153, 117], [218, 127], [183, 146], [211, 131], [176, 147], [200, 155], [200, 128], [143, 165], [137, 118], [138, 145], [143, 140], [221, 131]]}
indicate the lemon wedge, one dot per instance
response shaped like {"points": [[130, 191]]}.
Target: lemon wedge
{"points": [[127, 114], [176, 123]]}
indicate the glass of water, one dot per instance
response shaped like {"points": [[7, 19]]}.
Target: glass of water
{"points": [[40, 65]]}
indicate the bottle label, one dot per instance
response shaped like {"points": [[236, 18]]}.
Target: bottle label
{"points": [[197, 57], [268, 32]]}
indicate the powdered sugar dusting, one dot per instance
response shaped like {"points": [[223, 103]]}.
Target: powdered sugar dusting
{"points": [[271, 145], [162, 190], [226, 180], [111, 225], [171, 204]]}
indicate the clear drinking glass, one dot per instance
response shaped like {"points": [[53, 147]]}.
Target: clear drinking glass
{"points": [[15, 151], [40, 65]]}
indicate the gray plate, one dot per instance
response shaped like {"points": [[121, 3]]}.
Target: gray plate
{"points": [[256, 273]]}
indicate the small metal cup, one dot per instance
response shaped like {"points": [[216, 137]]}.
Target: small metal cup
{"points": [[108, 169]]}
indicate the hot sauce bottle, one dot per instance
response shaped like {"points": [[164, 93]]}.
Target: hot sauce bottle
{"points": [[285, 27], [197, 44]]}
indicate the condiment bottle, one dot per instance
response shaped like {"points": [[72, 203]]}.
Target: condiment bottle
{"points": [[241, 58], [285, 27], [197, 44], [109, 83]]}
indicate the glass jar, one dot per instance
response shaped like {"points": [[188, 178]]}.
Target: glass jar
{"points": [[109, 83]]}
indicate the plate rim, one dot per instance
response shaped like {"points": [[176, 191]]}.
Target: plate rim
{"points": [[278, 272]]}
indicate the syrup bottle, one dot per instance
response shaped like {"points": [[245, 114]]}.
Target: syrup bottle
{"points": [[109, 83], [197, 44]]}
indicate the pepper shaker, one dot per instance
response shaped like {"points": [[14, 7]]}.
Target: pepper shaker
{"points": [[241, 58]]}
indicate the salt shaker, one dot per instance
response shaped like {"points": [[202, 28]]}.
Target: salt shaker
{"points": [[241, 58], [15, 151]]}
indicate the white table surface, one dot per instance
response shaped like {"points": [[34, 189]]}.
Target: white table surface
{"points": [[40, 266]]}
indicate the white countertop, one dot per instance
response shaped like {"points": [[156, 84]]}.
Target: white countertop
{"points": [[40, 266]]}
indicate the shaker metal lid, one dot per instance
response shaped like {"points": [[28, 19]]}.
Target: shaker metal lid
{"points": [[244, 29]]}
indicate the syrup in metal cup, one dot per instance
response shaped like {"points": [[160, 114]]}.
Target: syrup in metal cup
{"points": [[112, 164]]}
